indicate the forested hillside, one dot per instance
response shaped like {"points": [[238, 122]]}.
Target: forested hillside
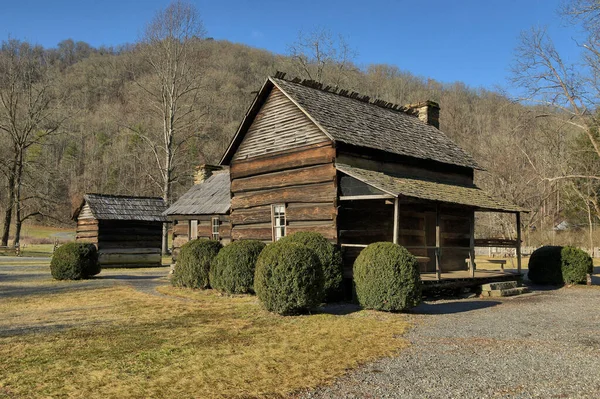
{"points": [[92, 125]]}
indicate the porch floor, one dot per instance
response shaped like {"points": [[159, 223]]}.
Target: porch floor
{"points": [[466, 274]]}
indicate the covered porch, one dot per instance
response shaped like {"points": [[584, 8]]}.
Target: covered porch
{"points": [[434, 220]]}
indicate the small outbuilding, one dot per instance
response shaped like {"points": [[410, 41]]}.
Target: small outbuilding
{"points": [[126, 230], [203, 211]]}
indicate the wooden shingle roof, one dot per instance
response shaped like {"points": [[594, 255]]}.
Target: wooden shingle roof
{"points": [[471, 195], [212, 197], [117, 207], [355, 120]]}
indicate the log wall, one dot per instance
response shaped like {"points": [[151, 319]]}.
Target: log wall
{"points": [[181, 228], [304, 179], [129, 243]]}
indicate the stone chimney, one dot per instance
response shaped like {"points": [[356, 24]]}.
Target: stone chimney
{"points": [[428, 112], [203, 172]]}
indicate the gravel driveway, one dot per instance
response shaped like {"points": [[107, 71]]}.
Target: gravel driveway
{"points": [[542, 345]]}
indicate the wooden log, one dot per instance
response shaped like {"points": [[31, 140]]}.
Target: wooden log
{"points": [[86, 234], [296, 159], [139, 251], [327, 230], [225, 230], [87, 222], [129, 244], [317, 211], [128, 237], [322, 192], [247, 233], [313, 174], [260, 214], [90, 240], [127, 258], [181, 228]]}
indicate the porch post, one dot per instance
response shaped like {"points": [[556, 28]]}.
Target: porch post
{"points": [[518, 246], [472, 244], [438, 243], [396, 219]]}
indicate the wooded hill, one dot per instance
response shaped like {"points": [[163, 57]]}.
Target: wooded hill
{"points": [[98, 131]]}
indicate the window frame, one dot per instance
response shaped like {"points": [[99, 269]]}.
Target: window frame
{"points": [[193, 233], [215, 235], [274, 218]]}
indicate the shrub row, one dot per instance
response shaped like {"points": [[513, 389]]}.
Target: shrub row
{"points": [[554, 265], [299, 271]]}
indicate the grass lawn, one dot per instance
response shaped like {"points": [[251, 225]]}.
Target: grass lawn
{"points": [[121, 343]]}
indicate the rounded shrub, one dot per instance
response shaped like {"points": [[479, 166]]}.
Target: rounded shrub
{"points": [[386, 277], [545, 266], [329, 256], [232, 270], [193, 263], [288, 278], [576, 264], [74, 261]]}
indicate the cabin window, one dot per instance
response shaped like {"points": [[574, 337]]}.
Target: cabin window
{"points": [[215, 228], [193, 229], [278, 221]]}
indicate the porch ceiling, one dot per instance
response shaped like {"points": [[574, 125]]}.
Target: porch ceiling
{"points": [[471, 196]]}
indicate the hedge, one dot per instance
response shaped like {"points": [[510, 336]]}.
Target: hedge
{"points": [[288, 278], [232, 271], [329, 256], [386, 277], [193, 263], [554, 265], [74, 261], [576, 264]]}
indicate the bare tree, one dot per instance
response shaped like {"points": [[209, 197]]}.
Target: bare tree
{"points": [[320, 54], [169, 49], [30, 111]]}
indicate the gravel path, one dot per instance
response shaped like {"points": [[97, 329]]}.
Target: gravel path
{"points": [[542, 345]]}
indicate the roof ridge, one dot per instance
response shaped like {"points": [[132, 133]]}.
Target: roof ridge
{"points": [[123, 196], [409, 109]]}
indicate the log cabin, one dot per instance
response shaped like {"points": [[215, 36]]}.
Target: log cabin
{"points": [[126, 230], [312, 158], [203, 211]]}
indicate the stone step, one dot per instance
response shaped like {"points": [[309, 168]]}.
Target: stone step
{"points": [[506, 292], [501, 285]]}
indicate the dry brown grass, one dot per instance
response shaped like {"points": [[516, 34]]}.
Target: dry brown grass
{"points": [[117, 342]]}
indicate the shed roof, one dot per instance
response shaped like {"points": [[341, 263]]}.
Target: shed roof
{"points": [[358, 121], [471, 196], [212, 197], [117, 207]]}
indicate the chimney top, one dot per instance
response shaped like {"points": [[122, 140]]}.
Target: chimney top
{"points": [[203, 172], [427, 111]]}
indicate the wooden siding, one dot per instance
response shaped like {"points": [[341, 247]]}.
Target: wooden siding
{"points": [[86, 212], [304, 180], [279, 125]]}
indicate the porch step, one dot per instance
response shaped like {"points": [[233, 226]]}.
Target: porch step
{"points": [[501, 285], [505, 292]]}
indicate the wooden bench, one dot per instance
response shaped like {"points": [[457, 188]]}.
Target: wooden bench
{"points": [[500, 262], [10, 251]]}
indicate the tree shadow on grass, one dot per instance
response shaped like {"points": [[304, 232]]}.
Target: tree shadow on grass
{"points": [[453, 307]]}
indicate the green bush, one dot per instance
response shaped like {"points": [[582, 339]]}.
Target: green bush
{"points": [[288, 278], [74, 261], [545, 266], [329, 256], [554, 265], [575, 265], [386, 277], [193, 263], [232, 271]]}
